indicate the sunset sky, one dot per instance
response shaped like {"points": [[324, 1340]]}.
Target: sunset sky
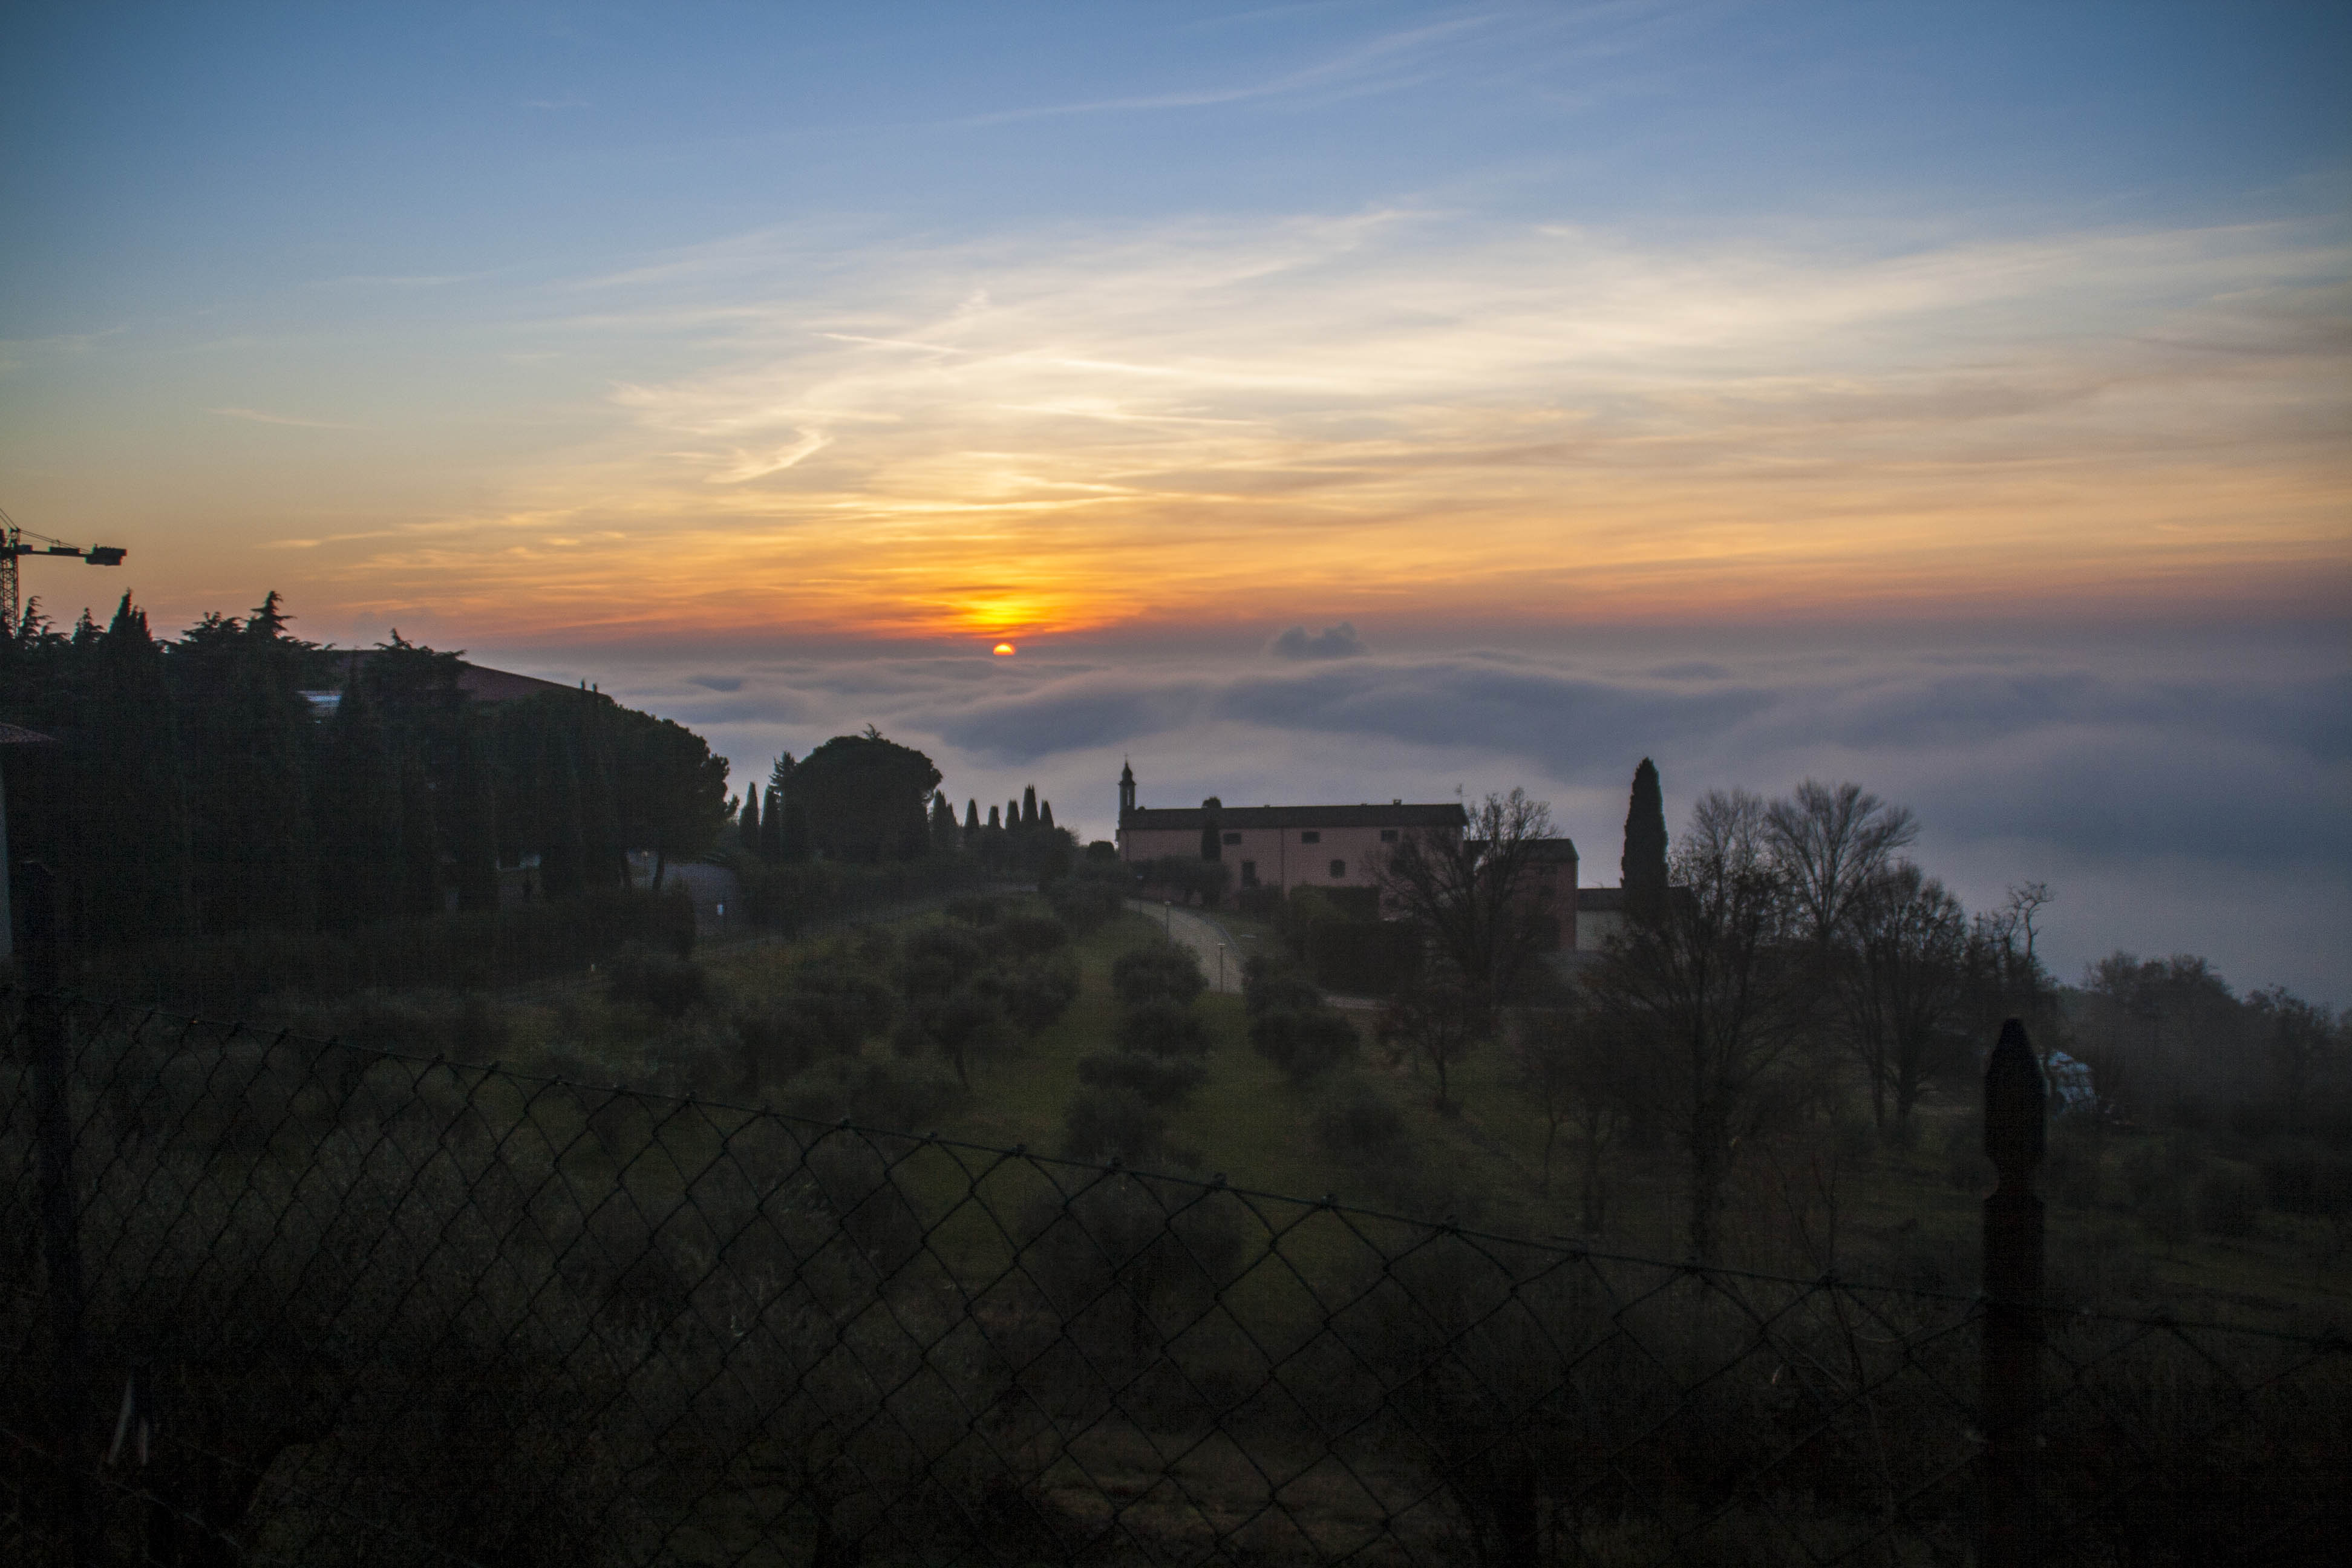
{"points": [[1953, 397]]}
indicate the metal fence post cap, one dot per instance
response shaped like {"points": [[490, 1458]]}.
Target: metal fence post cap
{"points": [[2013, 1101]]}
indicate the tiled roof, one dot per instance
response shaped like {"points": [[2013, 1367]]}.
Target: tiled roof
{"points": [[1448, 815]]}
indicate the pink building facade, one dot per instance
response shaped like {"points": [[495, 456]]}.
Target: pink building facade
{"points": [[1283, 846]]}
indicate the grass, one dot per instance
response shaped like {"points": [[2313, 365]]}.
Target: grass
{"points": [[1821, 1197]]}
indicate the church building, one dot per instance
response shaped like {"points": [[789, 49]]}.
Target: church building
{"points": [[1288, 846], [1283, 846]]}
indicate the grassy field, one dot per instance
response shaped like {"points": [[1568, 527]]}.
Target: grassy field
{"points": [[1815, 1198]]}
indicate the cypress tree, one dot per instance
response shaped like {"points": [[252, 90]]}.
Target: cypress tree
{"points": [[971, 821], [750, 831], [1029, 806], [1642, 870], [1045, 815], [994, 825], [771, 828], [943, 824], [1012, 817]]}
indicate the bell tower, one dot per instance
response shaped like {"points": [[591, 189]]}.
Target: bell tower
{"points": [[1126, 790]]}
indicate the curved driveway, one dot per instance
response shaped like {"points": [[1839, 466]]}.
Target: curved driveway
{"points": [[1204, 936]]}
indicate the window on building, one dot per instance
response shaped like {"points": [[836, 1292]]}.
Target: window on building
{"points": [[1232, 838], [1339, 871], [1310, 837], [1388, 835], [1249, 873]]}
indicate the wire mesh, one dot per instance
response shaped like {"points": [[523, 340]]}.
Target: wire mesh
{"points": [[346, 1306]]}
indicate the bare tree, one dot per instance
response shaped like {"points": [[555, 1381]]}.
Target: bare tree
{"points": [[1828, 843], [1473, 897], [1902, 986], [1573, 1071], [1437, 1020], [1709, 994]]}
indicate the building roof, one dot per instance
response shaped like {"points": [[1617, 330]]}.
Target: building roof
{"points": [[1395, 815], [1601, 901], [484, 685]]}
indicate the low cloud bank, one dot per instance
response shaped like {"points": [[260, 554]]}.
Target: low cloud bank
{"points": [[1331, 642], [2180, 802]]}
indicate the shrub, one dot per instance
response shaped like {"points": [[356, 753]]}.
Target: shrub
{"points": [[1031, 936], [1154, 1079], [1303, 1044], [874, 1091], [2228, 1202], [1361, 958], [975, 912], [1261, 901], [1164, 1027], [1109, 1122], [935, 959], [2301, 1177], [1158, 969], [660, 983], [1357, 1125], [1036, 995], [1271, 987], [1086, 901]]}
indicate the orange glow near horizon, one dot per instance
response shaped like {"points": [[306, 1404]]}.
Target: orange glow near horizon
{"points": [[1323, 421]]}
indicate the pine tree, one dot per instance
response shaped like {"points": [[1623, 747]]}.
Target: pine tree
{"points": [[139, 884], [1642, 870]]}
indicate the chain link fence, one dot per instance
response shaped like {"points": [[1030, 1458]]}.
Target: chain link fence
{"points": [[270, 1300]]}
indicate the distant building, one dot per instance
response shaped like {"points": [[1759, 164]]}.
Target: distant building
{"points": [[476, 681], [1283, 846]]}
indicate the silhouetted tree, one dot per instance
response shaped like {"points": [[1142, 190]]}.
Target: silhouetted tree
{"points": [[1641, 871], [749, 831], [1828, 844], [1709, 995], [1473, 896]]}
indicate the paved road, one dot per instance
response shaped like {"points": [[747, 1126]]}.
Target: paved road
{"points": [[1204, 936]]}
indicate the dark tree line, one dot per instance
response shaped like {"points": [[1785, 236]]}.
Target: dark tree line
{"points": [[197, 788]]}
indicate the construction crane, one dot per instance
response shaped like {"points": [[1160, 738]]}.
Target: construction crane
{"points": [[14, 547]]}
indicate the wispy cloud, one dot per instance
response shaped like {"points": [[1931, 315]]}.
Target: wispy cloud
{"points": [[1381, 63], [1211, 422], [262, 417]]}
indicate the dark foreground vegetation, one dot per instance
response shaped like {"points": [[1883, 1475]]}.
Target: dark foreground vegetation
{"points": [[336, 1305], [609, 1268]]}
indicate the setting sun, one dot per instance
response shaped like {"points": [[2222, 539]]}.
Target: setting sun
{"points": [[1004, 650]]}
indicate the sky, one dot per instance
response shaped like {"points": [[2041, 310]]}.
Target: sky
{"points": [[1329, 401]]}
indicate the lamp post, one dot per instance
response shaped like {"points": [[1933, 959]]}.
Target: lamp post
{"points": [[1169, 905], [1221, 966]]}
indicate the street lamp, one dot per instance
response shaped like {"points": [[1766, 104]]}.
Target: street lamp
{"points": [[1221, 966]]}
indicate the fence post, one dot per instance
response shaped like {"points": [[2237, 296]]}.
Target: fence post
{"points": [[44, 1017], [2011, 1391]]}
